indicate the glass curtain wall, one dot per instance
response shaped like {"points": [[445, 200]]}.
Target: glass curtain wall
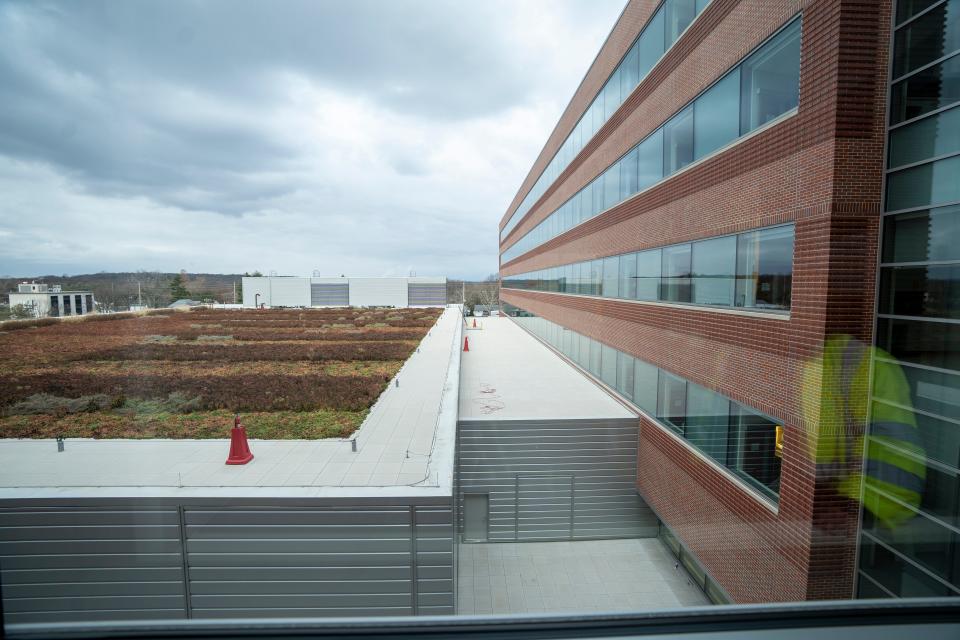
{"points": [[763, 87], [666, 25], [918, 310], [734, 436], [751, 270]]}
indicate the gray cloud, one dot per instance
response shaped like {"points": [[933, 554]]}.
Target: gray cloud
{"points": [[376, 126]]}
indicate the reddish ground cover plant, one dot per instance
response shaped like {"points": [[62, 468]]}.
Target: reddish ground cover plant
{"points": [[296, 373]]}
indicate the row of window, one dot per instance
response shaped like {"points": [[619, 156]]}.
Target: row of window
{"points": [[761, 88], [77, 307], [733, 435], [661, 31], [919, 304], [752, 270]]}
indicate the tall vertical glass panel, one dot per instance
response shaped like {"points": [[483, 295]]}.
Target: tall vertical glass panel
{"points": [[770, 80], [713, 270], [678, 142], [675, 275], [716, 117], [917, 553]]}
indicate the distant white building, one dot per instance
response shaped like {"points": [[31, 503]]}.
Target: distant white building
{"points": [[292, 291], [43, 300]]}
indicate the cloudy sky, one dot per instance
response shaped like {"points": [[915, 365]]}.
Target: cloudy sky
{"points": [[363, 137]]}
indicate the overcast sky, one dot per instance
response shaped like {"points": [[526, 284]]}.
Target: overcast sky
{"points": [[361, 137]]}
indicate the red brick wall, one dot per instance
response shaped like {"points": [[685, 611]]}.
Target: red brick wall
{"points": [[821, 169]]}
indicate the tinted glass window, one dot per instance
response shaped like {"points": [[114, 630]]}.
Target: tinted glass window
{"points": [[648, 275], [753, 451], [611, 186], [716, 119], [770, 80], [925, 91], [645, 386], [611, 277], [650, 44], [625, 369], [928, 184], [596, 277], [629, 72], [937, 135], [608, 368], [628, 175], [713, 270], [919, 236], [628, 276], [908, 8], [672, 401], [678, 14], [934, 344], [650, 160], [611, 95], [708, 415], [765, 268], [931, 291], [928, 38], [678, 141]]}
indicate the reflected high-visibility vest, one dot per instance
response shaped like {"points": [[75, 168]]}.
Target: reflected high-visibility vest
{"points": [[834, 399]]}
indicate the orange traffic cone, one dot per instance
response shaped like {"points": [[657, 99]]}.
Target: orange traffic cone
{"points": [[466, 343], [239, 449]]}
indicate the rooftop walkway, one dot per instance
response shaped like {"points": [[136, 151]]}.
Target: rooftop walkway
{"points": [[407, 439]]}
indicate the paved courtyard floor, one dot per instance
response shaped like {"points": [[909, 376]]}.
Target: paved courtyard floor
{"points": [[567, 577]]}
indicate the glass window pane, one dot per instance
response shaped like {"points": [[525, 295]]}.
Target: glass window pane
{"points": [[611, 186], [926, 91], [713, 270], [933, 344], [678, 141], [752, 453], [677, 17], [931, 291], [628, 174], [675, 280], [650, 160], [648, 275], [919, 236], [650, 44], [928, 184], [770, 80], [583, 349], [927, 38], [707, 424], [625, 368], [597, 205], [629, 72], [672, 401], [935, 392], [595, 357], [937, 135], [628, 276], [895, 574], [596, 277], [701, 5], [611, 277], [940, 438], [608, 367], [598, 115], [645, 386], [765, 268], [611, 95], [716, 119], [908, 8]]}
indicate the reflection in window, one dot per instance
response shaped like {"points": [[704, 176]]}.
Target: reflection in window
{"points": [[925, 91], [765, 268], [928, 184], [672, 401], [716, 115], [927, 38], [770, 80], [931, 291], [937, 135], [714, 271], [678, 141], [920, 236], [648, 275], [611, 277], [628, 276], [675, 280]]}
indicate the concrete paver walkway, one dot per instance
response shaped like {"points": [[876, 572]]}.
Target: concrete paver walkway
{"points": [[571, 577]]}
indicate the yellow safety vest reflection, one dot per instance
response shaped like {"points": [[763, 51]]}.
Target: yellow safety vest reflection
{"points": [[834, 399]]}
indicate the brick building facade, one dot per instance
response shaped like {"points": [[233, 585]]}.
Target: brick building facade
{"points": [[815, 169]]}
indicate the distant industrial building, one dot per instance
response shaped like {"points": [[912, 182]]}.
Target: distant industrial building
{"points": [[291, 291], [43, 300]]}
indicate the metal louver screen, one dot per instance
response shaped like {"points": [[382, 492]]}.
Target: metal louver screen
{"points": [[427, 294], [329, 295]]}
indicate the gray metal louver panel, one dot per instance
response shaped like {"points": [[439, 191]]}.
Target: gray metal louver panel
{"points": [[82, 563], [554, 479], [329, 295], [427, 294]]}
